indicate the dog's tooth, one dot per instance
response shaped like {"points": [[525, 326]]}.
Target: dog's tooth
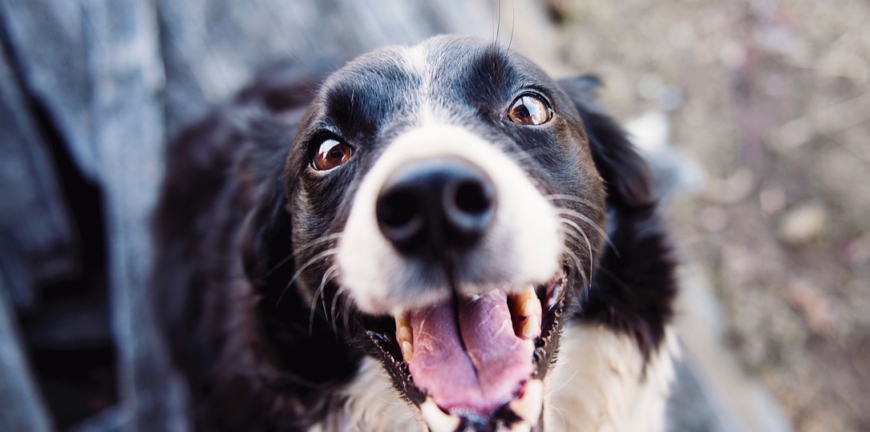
{"points": [[403, 320], [436, 419], [531, 327], [519, 301], [532, 306], [529, 293], [403, 328], [407, 350], [529, 406], [403, 334]]}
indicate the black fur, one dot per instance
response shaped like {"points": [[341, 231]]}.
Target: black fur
{"points": [[221, 228], [635, 287], [230, 238]]}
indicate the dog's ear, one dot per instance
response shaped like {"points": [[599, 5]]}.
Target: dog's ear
{"points": [[266, 236], [625, 172], [634, 288]]}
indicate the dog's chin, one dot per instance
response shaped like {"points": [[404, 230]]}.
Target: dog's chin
{"points": [[476, 362]]}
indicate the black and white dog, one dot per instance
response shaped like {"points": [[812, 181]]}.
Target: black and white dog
{"points": [[436, 237]]}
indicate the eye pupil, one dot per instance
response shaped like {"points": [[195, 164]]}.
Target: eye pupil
{"points": [[530, 110], [331, 154], [523, 113]]}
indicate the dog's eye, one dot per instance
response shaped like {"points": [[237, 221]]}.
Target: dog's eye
{"points": [[331, 154], [530, 110]]}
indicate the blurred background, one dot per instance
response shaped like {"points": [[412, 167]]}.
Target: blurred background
{"points": [[754, 113]]}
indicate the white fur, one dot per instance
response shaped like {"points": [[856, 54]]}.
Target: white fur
{"points": [[416, 62], [597, 384], [372, 405], [522, 247]]}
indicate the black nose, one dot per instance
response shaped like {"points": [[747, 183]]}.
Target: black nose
{"points": [[436, 208]]}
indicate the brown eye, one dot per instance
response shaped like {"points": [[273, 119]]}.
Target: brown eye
{"points": [[530, 110], [331, 154]]}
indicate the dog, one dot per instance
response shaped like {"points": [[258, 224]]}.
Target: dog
{"points": [[437, 237]]}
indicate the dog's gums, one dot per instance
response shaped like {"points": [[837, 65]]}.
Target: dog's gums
{"points": [[479, 360]]}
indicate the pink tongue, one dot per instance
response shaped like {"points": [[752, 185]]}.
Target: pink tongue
{"points": [[487, 375]]}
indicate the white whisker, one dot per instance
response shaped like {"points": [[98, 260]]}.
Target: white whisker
{"points": [[579, 265], [302, 268], [564, 383], [332, 310], [301, 249], [564, 197], [584, 218], [585, 237], [327, 276]]}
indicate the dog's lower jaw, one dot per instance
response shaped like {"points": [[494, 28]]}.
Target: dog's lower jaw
{"points": [[474, 356], [505, 389], [599, 382]]}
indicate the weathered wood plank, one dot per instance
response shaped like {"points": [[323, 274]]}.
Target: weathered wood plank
{"points": [[50, 42], [212, 47], [37, 242], [113, 419], [21, 407], [128, 136]]}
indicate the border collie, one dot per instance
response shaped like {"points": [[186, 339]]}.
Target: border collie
{"points": [[437, 237]]}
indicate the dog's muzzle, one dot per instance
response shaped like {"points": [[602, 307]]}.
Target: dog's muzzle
{"points": [[450, 236]]}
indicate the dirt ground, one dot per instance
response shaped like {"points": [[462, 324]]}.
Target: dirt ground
{"points": [[773, 100]]}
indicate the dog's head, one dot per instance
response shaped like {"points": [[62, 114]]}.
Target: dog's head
{"points": [[448, 205]]}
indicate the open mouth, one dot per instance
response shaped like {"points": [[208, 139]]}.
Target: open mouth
{"points": [[477, 362]]}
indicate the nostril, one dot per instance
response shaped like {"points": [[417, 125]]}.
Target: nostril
{"points": [[472, 197], [469, 206], [400, 216], [397, 209]]}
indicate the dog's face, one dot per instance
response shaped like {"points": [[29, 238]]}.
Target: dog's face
{"points": [[446, 209]]}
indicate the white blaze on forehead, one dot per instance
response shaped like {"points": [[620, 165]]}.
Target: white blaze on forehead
{"points": [[418, 62], [522, 246], [416, 59]]}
